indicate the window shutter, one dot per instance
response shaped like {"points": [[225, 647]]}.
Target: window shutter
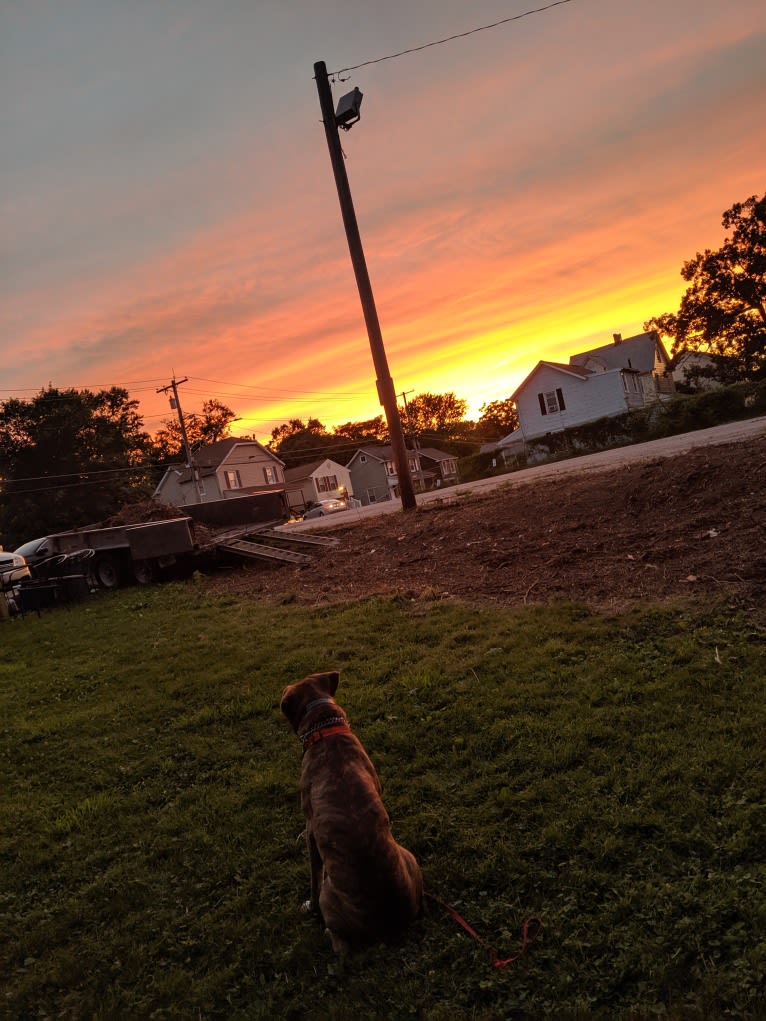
{"points": [[543, 409], [560, 395]]}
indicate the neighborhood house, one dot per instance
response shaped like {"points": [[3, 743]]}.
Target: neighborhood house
{"points": [[606, 381], [599, 383], [222, 470], [321, 480], [374, 477]]}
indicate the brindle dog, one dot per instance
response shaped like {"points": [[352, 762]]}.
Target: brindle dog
{"points": [[366, 886]]}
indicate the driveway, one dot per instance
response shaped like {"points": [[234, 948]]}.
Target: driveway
{"points": [[732, 432]]}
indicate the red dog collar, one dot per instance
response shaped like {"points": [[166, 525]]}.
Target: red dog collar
{"points": [[335, 725]]}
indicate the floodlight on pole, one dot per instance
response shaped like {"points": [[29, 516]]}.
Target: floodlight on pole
{"points": [[347, 111], [346, 115]]}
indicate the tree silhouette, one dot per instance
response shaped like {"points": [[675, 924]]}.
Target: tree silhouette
{"points": [[498, 418], [723, 312], [209, 427], [68, 458]]}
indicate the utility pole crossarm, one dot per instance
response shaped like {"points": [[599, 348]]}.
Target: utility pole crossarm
{"points": [[176, 404]]}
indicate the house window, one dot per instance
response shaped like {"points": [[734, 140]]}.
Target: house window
{"points": [[326, 483], [390, 469], [551, 402], [233, 481], [362, 459], [413, 464], [270, 474]]}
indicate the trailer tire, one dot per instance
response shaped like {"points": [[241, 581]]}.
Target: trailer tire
{"points": [[106, 572], [145, 571]]}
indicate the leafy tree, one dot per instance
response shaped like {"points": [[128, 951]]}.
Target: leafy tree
{"points": [[373, 430], [347, 438], [292, 428], [68, 458], [209, 427], [723, 312], [432, 417], [498, 418], [298, 442]]}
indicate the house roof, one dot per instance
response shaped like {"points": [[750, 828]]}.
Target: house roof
{"points": [[380, 452], [570, 370], [302, 471], [635, 353], [436, 455], [212, 455], [305, 471]]}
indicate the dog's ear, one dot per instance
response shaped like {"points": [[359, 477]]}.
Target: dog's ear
{"points": [[292, 697], [330, 682]]}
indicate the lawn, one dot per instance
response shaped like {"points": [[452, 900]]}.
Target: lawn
{"points": [[604, 774]]}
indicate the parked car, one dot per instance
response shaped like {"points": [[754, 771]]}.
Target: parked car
{"points": [[35, 551], [325, 507], [13, 569]]}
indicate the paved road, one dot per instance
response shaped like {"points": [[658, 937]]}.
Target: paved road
{"points": [[732, 432]]}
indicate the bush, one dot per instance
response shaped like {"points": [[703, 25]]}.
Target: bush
{"points": [[684, 413]]}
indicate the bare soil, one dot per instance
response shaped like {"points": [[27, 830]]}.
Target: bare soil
{"points": [[676, 528]]}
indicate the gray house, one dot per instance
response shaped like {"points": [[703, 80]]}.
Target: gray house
{"points": [[374, 477], [222, 470]]}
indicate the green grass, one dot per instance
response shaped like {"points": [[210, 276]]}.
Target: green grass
{"points": [[604, 774]]}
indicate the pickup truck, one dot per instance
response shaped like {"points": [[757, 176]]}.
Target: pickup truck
{"points": [[112, 556]]}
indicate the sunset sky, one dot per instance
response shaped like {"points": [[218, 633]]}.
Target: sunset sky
{"points": [[168, 205]]}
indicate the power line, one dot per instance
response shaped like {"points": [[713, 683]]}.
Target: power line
{"points": [[244, 392], [267, 389], [450, 38]]}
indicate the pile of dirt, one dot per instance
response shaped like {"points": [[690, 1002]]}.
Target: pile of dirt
{"points": [[140, 513], [687, 526]]}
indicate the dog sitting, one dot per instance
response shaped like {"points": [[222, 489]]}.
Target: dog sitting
{"points": [[365, 885]]}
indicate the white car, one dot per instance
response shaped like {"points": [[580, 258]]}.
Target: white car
{"points": [[13, 569], [325, 507]]}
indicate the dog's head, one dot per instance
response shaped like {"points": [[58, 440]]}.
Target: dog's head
{"points": [[296, 698]]}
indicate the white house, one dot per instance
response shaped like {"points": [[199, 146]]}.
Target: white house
{"points": [[320, 480], [222, 470], [605, 381]]}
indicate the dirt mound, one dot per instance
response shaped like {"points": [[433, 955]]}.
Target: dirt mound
{"points": [[139, 513], [691, 525]]}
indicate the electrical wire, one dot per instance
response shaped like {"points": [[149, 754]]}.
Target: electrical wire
{"points": [[89, 477], [449, 38], [268, 389]]}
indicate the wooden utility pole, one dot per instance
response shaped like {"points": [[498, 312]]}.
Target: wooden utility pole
{"points": [[385, 384], [175, 404]]}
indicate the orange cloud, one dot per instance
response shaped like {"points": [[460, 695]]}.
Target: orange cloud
{"points": [[515, 208]]}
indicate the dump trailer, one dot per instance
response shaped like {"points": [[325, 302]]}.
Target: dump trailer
{"points": [[113, 556]]}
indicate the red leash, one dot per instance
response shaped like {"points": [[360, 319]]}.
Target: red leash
{"points": [[530, 930]]}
